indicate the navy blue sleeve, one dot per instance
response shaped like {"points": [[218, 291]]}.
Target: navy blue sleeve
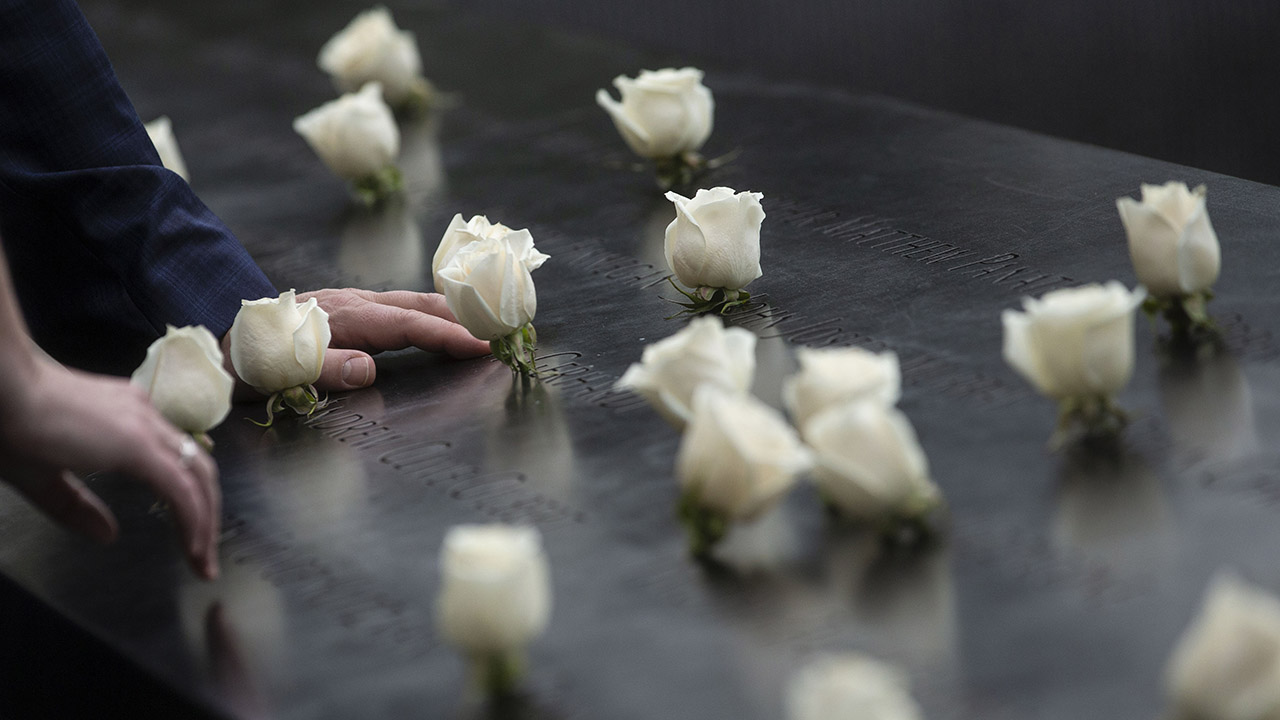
{"points": [[105, 245]]}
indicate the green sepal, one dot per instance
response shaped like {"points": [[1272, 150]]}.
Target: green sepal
{"points": [[682, 169], [707, 300], [705, 527], [421, 98], [916, 522], [1186, 314], [1096, 415], [373, 189], [302, 400]]}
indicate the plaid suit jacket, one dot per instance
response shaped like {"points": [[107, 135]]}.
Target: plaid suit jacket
{"points": [[105, 245]]}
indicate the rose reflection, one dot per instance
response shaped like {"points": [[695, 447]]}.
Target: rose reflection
{"points": [[382, 246], [775, 361], [317, 483], [1113, 504], [1208, 403], [903, 599], [769, 544], [533, 438], [653, 237], [421, 161]]}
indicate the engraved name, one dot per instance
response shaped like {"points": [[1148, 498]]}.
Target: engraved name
{"points": [[876, 233], [505, 495]]}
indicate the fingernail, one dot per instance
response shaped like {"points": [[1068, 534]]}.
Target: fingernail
{"points": [[355, 372]]}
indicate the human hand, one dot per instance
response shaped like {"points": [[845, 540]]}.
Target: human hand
{"points": [[364, 322], [63, 422]]}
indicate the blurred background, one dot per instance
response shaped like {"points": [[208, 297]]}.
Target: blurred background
{"points": [[1196, 83]]}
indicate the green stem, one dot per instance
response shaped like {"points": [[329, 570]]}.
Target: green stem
{"points": [[1186, 314], [418, 101], [518, 351], [705, 527], [379, 186], [1096, 415], [911, 524], [498, 674]]}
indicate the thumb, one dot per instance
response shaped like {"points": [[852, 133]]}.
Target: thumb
{"points": [[346, 370]]}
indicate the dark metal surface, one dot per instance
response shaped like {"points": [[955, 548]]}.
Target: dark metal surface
{"points": [[1063, 580]]}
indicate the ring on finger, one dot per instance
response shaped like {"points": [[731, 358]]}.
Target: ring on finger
{"points": [[187, 452]]}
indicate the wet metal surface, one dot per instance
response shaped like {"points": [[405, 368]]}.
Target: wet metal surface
{"points": [[1063, 581]]}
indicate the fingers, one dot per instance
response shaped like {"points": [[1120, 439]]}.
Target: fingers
{"points": [[345, 370], [191, 488], [206, 471], [429, 303], [376, 321], [428, 332], [66, 500]]}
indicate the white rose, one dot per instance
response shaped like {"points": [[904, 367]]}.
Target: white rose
{"points": [[160, 131], [184, 376], [1227, 664], [489, 289], [356, 135], [496, 593], [834, 376], [738, 456], [849, 687], [372, 49], [1074, 342], [663, 113], [704, 352], [869, 462], [1174, 248], [462, 233], [714, 241], [278, 344]]}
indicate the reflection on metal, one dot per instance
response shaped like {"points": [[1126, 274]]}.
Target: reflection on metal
{"points": [[1056, 594], [1208, 404], [382, 246], [533, 438], [1112, 505]]}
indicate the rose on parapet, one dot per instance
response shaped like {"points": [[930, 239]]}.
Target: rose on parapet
{"points": [[462, 233], [738, 457], [488, 287], [160, 131], [1174, 250], [704, 352], [1227, 664], [665, 116], [277, 347], [836, 376], [1076, 345], [371, 48], [849, 687], [495, 598], [869, 467], [184, 376], [357, 139], [713, 247]]}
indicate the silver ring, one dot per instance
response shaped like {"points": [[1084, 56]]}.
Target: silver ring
{"points": [[187, 452]]}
